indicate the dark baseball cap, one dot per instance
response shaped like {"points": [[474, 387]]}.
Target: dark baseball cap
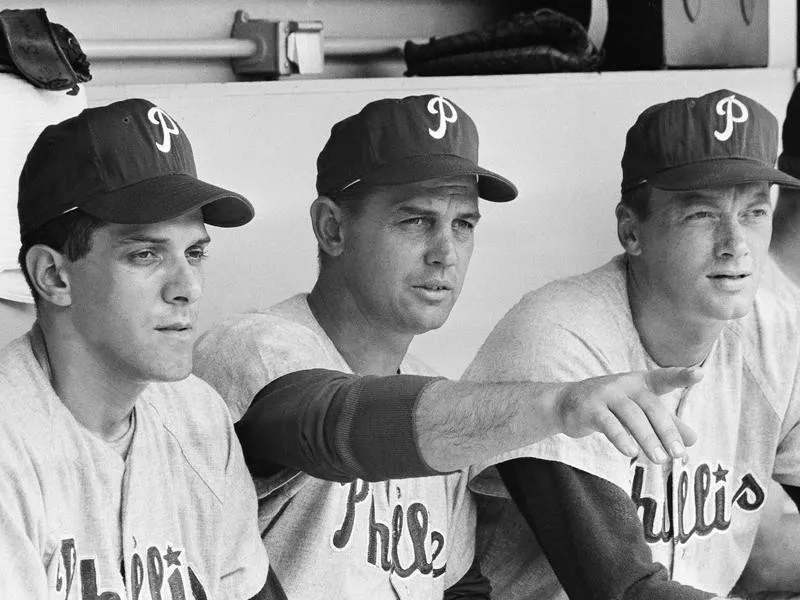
{"points": [[413, 139], [721, 139], [128, 162]]}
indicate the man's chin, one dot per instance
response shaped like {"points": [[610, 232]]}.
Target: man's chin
{"points": [[169, 373], [733, 310], [430, 323]]}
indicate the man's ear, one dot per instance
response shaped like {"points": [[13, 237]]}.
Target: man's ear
{"points": [[628, 229], [327, 218], [49, 277]]}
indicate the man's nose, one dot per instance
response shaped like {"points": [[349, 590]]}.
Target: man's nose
{"points": [[732, 240], [185, 283], [443, 249]]}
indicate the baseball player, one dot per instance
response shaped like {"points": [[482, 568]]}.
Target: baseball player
{"points": [[778, 539], [694, 222], [785, 245], [120, 473], [369, 506]]}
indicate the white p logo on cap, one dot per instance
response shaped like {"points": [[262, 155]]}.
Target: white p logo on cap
{"points": [[438, 105], [725, 109], [158, 117]]}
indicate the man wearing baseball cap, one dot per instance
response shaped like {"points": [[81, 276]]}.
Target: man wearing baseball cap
{"points": [[120, 473], [355, 446], [785, 245], [694, 222]]}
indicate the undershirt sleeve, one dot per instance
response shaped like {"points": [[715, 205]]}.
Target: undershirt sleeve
{"points": [[589, 530], [335, 426], [474, 585]]}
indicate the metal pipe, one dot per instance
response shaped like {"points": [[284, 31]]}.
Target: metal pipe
{"points": [[231, 48], [364, 46], [170, 49]]}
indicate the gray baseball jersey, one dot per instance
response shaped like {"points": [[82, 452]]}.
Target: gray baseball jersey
{"points": [[405, 538], [699, 516], [176, 519]]}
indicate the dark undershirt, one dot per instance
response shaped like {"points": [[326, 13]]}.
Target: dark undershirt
{"points": [[594, 542], [335, 426]]}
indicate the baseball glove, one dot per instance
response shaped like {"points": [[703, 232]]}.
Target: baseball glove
{"points": [[543, 41], [44, 53]]}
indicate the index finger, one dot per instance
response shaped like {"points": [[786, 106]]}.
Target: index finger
{"points": [[664, 380]]}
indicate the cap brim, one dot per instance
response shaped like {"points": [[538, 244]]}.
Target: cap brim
{"points": [[491, 186], [169, 196], [719, 173]]}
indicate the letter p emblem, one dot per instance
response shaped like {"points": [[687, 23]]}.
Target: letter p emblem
{"points": [[447, 114], [168, 127], [725, 108]]}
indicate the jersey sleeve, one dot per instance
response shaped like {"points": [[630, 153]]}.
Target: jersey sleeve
{"points": [[554, 335], [244, 559], [590, 533], [23, 571], [461, 528], [240, 356], [335, 426]]}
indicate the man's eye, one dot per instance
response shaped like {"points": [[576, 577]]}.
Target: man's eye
{"points": [[197, 254], [463, 225], [759, 212], [700, 214], [416, 221], [143, 255]]}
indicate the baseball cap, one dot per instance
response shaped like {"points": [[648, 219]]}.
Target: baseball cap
{"points": [[127, 162], [396, 141], [789, 160], [721, 139]]}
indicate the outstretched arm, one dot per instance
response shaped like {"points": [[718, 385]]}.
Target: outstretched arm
{"points": [[339, 426], [463, 423]]}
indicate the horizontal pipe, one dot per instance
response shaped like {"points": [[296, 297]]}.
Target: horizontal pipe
{"points": [[151, 49], [362, 46], [231, 48]]}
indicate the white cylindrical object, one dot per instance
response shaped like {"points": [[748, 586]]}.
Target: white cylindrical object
{"points": [[168, 49], [100, 50]]}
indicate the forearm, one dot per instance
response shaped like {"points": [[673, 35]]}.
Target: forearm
{"points": [[593, 541], [463, 423]]}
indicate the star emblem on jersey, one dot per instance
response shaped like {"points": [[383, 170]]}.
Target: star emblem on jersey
{"points": [[447, 114], [734, 112], [157, 116], [171, 557], [720, 474]]}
